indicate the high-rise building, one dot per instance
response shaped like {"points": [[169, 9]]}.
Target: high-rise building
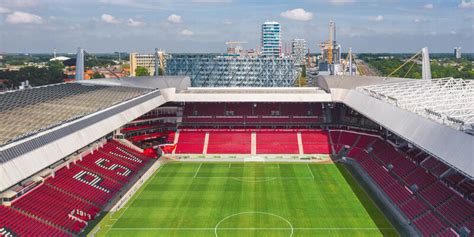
{"points": [[271, 39], [457, 52], [298, 51]]}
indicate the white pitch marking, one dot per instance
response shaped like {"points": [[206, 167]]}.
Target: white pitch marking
{"points": [[197, 171], [310, 171], [253, 228], [138, 194], [266, 213]]}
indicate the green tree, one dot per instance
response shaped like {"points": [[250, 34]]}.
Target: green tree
{"points": [[141, 71], [97, 75], [160, 71]]}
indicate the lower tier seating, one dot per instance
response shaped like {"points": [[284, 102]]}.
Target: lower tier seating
{"points": [[190, 142], [14, 223], [229, 143], [277, 143], [316, 142]]}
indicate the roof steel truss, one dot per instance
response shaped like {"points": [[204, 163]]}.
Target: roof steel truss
{"points": [[447, 100]]}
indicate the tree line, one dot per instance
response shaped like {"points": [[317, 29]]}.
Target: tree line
{"points": [[37, 76]]}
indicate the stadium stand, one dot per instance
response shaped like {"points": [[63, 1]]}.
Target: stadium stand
{"points": [[15, 223], [229, 143], [252, 114], [64, 203], [190, 142], [277, 143], [434, 208], [435, 197], [316, 142]]}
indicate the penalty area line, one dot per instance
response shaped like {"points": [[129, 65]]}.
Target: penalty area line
{"points": [[197, 171], [310, 171]]}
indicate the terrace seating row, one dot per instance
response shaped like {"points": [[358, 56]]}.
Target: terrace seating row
{"points": [[435, 209], [430, 225], [147, 126], [75, 194], [316, 142], [40, 206], [229, 143], [190, 142], [249, 109], [408, 203], [277, 143], [17, 224], [252, 119]]}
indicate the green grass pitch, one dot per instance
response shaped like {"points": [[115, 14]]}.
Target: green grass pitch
{"points": [[248, 199]]}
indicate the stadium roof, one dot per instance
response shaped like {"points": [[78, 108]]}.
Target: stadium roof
{"points": [[448, 101], [352, 82], [178, 82], [439, 139], [47, 124], [29, 111]]}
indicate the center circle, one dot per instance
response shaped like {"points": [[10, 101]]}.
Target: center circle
{"points": [[282, 219]]}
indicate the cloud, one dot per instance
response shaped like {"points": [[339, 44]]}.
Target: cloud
{"points": [[376, 18], [428, 6], [297, 14], [341, 2], [173, 18], [227, 22], [419, 20], [187, 32], [134, 23], [23, 18], [109, 19], [4, 10], [466, 4]]}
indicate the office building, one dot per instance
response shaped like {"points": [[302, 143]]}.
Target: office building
{"points": [[298, 51], [271, 39]]}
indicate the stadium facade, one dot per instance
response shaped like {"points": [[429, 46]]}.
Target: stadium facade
{"points": [[67, 149], [225, 71]]}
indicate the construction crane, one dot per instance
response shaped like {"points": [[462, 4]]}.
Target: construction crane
{"points": [[332, 38]]}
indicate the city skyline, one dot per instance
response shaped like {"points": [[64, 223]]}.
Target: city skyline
{"points": [[390, 26]]}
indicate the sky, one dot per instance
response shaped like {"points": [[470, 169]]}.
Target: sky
{"points": [[201, 26]]}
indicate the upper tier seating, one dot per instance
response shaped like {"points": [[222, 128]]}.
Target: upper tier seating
{"points": [[253, 113], [239, 109]]}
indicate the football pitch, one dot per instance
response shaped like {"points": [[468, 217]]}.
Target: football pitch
{"points": [[248, 199]]}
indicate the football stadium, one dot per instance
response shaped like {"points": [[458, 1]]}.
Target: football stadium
{"points": [[155, 156]]}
